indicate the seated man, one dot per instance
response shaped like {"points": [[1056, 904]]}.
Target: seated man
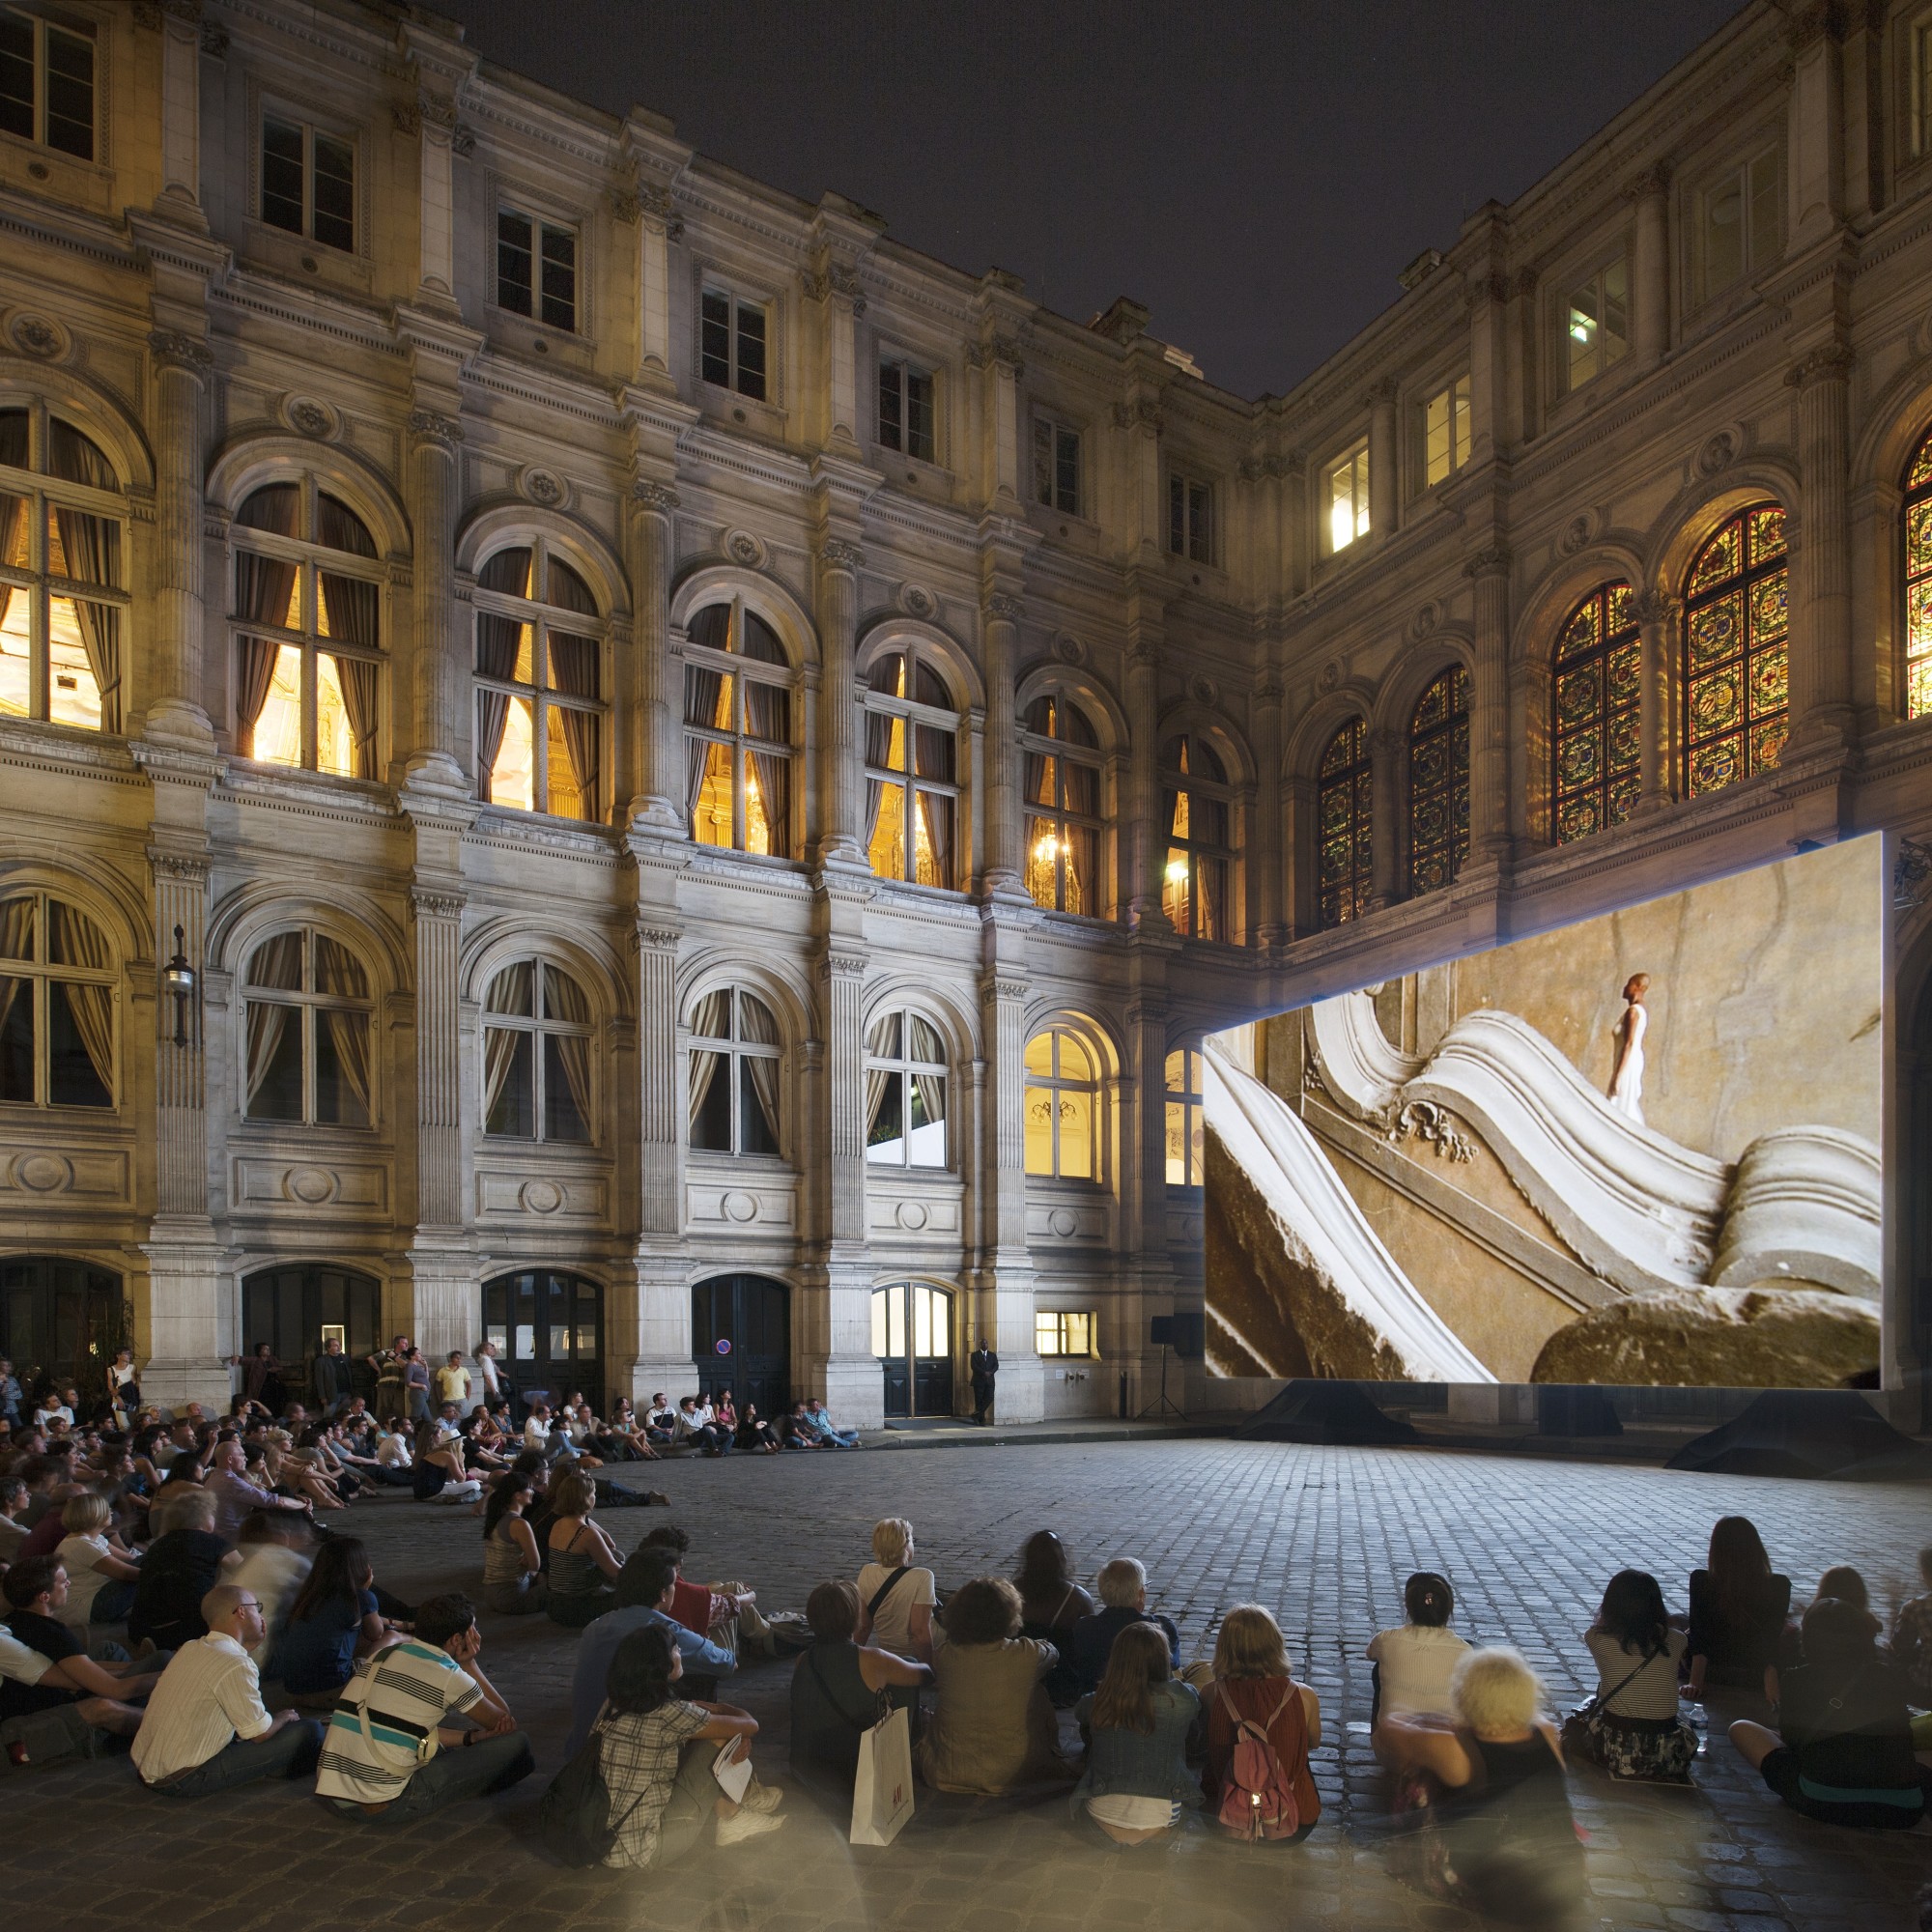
{"points": [[428, 1687], [721, 1613], [644, 1596], [661, 1420], [236, 1495], [206, 1729], [795, 1430], [45, 1662], [826, 1430], [1121, 1585]]}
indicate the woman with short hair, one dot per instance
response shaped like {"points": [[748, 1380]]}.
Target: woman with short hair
{"points": [[897, 1598], [1137, 1783], [993, 1726], [841, 1688], [581, 1556], [101, 1572], [1636, 1731], [1253, 1686]]}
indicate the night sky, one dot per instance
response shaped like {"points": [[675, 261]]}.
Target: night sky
{"points": [[1258, 172]]}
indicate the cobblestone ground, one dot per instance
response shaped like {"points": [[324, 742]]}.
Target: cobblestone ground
{"points": [[1325, 1536]]}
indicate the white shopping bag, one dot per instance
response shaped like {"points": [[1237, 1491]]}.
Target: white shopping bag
{"points": [[882, 1794]]}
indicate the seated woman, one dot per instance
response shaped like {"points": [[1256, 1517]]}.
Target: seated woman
{"points": [[992, 1727], [657, 1755], [1137, 1782], [181, 1566], [102, 1571], [1843, 1584], [1254, 1687], [580, 1555], [896, 1599], [333, 1620], [439, 1473], [840, 1688], [755, 1432], [1912, 1636], [512, 1579], [724, 1416], [1636, 1651], [1413, 1662], [1051, 1604], [622, 1439], [1737, 1608], [1512, 1855], [292, 1474], [1842, 1751]]}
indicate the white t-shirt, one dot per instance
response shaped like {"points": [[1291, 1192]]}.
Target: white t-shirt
{"points": [[85, 1578], [393, 1452], [1416, 1662], [891, 1627], [486, 1366], [59, 1412], [24, 1666]]}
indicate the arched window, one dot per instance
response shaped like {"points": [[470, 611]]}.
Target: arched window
{"points": [[536, 1055], [1595, 744], [738, 755], [1187, 1127], [1918, 583], [539, 685], [305, 1024], [905, 1091], [57, 980], [735, 1075], [1197, 809], [1438, 782], [61, 606], [1062, 803], [307, 615], [1344, 822], [1063, 1107], [911, 800], [1737, 680]]}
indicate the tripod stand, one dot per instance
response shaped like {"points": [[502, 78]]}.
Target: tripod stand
{"points": [[1160, 1405]]}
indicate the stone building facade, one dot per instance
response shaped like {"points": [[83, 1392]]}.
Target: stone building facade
{"points": [[593, 752]]}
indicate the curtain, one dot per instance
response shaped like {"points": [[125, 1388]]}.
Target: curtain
{"points": [[76, 458], [566, 1001], [338, 972], [757, 1026], [768, 718], [351, 610], [13, 509], [498, 640], [572, 673], [1038, 783], [878, 1085], [878, 748], [16, 937], [277, 962], [702, 691], [935, 811], [500, 1058], [100, 626], [703, 1072], [358, 676], [263, 587], [338, 527], [251, 691], [74, 939], [513, 990]]}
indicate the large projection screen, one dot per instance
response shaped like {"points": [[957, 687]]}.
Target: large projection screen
{"points": [[1641, 1150]]}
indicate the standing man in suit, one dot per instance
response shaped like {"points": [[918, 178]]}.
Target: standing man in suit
{"points": [[983, 1366]]}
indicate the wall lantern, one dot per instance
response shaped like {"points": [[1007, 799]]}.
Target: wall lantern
{"points": [[178, 980]]}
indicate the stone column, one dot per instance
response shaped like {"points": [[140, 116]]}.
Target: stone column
{"points": [[1814, 167], [840, 1361], [1006, 1312], [1650, 194], [662, 1340], [435, 121], [656, 803], [1146, 851], [444, 1311], [833, 289], [1821, 610], [660, 227], [999, 621], [1487, 296], [1269, 866], [1143, 1095], [1657, 626], [1301, 847], [1488, 707], [1389, 749], [175, 715], [432, 502], [1384, 480], [840, 841]]}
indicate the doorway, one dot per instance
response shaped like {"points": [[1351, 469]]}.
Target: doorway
{"points": [[294, 1309], [740, 1340], [548, 1326], [912, 1336], [61, 1322]]}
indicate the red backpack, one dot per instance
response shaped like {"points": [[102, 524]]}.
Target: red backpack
{"points": [[1258, 1792]]}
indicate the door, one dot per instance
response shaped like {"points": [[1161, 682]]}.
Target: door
{"points": [[740, 1340], [912, 1336], [290, 1308], [548, 1328], [60, 1323]]}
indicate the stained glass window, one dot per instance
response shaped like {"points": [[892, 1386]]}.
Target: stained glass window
{"points": [[1735, 678], [1597, 748], [1438, 782], [1918, 583], [1345, 826]]}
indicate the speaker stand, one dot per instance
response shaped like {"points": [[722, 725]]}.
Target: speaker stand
{"points": [[1160, 1405]]}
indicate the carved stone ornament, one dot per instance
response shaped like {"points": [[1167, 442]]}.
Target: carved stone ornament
{"points": [[540, 1197], [1654, 180], [659, 938], [912, 1216], [154, 14], [1832, 362], [1143, 414], [917, 601], [39, 336], [836, 554], [1002, 607], [743, 547], [438, 110], [312, 1186], [544, 487], [1203, 690], [428, 426], [1331, 674], [626, 205], [997, 351], [1492, 560], [1577, 533], [651, 494], [43, 1173], [1069, 650], [1911, 876], [845, 965], [407, 117], [310, 416], [1269, 687], [425, 904], [1425, 621], [462, 142], [171, 350], [1424, 1119], [1720, 449]]}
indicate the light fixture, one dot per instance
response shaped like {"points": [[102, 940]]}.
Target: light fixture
{"points": [[177, 981], [1047, 850], [1177, 872]]}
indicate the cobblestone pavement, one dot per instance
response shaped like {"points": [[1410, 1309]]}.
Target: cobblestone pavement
{"points": [[1325, 1536]]}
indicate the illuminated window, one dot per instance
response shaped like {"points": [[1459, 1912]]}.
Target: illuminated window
{"points": [[539, 679], [536, 268], [1055, 465], [57, 982], [63, 611], [1066, 1332], [906, 1075], [536, 1055], [1596, 325], [905, 411], [1197, 809], [1737, 679], [1345, 826], [308, 181], [1063, 1107], [735, 1075], [732, 342], [1345, 499], [1190, 519], [1445, 433], [1063, 770], [1185, 1129], [911, 751], [305, 1025], [308, 618], [1741, 220], [1595, 740], [47, 81], [1918, 583], [1438, 782], [738, 751]]}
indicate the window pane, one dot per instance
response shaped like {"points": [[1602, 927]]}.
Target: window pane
{"points": [[17, 919], [79, 635], [882, 1039], [335, 192], [510, 1084], [80, 1045], [922, 1041], [879, 1300], [17, 1039], [1067, 472], [890, 408], [275, 1036], [919, 440], [710, 1102], [1177, 515], [1079, 1334], [16, 86], [757, 1128], [514, 259], [513, 778], [1042, 461], [926, 1145], [714, 339], [895, 1323], [334, 736], [1178, 1174], [750, 350], [1076, 1134], [342, 1070], [566, 1088], [560, 278], [1039, 1130], [921, 1322], [885, 1123], [887, 851], [282, 175], [1047, 1334], [69, 94], [278, 737]]}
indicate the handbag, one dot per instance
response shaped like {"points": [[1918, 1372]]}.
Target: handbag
{"points": [[1580, 1728], [882, 1791]]}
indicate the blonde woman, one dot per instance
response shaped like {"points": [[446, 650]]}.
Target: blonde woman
{"points": [[578, 1551], [289, 1472], [101, 1571], [1253, 1685], [897, 1598]]}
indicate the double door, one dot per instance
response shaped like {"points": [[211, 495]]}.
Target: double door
{"points": [[912, 1337], [548, 1326], [741, 1340]]}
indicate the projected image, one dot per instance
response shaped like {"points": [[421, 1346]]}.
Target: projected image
{"points": [[1643, 1149]]}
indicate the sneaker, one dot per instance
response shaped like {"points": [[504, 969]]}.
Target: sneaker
{"points": [[743, 1825], [762, 1798]]}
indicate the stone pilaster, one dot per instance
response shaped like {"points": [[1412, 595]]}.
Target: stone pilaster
{"points": [[1384, 470], [657, 229], [432, 440], [1650, 297], [658, 1336], [180, 197], [436, 917], [1657, 618], [1488, 571], [1821, 606], [181, 364], [838, 1356], [656, 753], [999, 627], [1267, 868], [1005, 1310], [840, 837], [1388, 751]]}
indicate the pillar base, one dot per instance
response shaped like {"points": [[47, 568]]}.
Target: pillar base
{"points": [[180, 725], [658, 818], [172, 1383], [436, 774]]}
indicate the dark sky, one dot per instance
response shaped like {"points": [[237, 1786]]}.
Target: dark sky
{"points": [[1256, 171]]}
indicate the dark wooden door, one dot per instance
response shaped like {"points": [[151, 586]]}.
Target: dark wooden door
{"points": [[740, 1340]]}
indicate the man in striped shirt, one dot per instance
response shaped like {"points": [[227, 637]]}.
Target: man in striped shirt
{"points": [[419, 1725]]}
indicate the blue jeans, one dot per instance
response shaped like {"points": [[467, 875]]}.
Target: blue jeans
{"points": [[291, 1753], [843, 1438]]}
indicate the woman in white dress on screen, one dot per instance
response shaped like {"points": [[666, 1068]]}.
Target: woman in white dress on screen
{"points": [[1627, 1082]]}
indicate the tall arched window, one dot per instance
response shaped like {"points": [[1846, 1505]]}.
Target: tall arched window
{"points": [[539, 685], [1596, 745], [57, 979], [1737, 680], [1197, 809], [305, 1025], [1344, 822], [1438, 782], [536, 1055], [61, 606], [1063, 1107], [1063, 769], [738, 749], [735, 1075], [1918, 583], [905, 1091], [912, 757], [1186, 1130]]}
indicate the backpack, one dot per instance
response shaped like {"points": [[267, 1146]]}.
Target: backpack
{"points": [[573, 1814], [1257, 1795]]}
